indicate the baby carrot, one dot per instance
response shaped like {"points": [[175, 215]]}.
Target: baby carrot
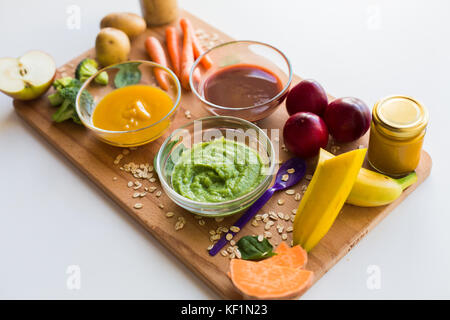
{"points": [[173, 48], [156, 53], [198, 51]]}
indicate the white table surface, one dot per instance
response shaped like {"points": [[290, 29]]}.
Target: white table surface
{"points": [[52, 216]]}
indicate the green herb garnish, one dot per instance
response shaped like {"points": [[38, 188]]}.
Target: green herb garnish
{"points": [[252, 249], [128, 74]]}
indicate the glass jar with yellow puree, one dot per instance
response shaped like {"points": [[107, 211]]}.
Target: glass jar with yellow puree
{"points": [[396, 135]]}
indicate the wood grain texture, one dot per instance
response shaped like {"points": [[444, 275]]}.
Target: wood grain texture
{"points": [[95, 159]]}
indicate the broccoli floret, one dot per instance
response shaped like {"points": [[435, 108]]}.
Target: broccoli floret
{"points": [[102, 78], [86, 68], [65, 96], [55, 99], [62, 82]]}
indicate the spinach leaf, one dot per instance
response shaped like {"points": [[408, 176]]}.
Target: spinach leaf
{"points": [[128, 74], [252, 249]]}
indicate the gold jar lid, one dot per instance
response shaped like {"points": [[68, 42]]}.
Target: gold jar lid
{"points": [[400, 116]]}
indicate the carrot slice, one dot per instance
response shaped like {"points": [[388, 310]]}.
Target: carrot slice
{"points": [[186, 25], [156, 53], [258, 280], [295, 257], [173, 47]]}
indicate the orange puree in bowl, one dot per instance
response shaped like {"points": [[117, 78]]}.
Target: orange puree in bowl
{"points": [[131, 108]]}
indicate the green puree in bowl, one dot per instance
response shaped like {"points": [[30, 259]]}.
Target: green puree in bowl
{"points": [[217, 171]]}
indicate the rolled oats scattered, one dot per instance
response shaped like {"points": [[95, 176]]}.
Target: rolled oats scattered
{"points": [[291, 170], [170, 214], [201, 222], [238, 253], [137, 186], [114, 178], [289, 229], [285, 177], [258, 217], [229, 236], [268, 234], [284, 236], [297, 196], [136, 195], [255, 223], [235, 229], [224, 253], [280, 202], [232, 255], [308, 177], [281, 215], [158, 193], [161, 205], [230, 249], [125, 152], [232, 242], [287, 217], [273, 215], [138, 205], [210, 247], [152, 179], [151, 189], [290, 191], [260, 238], [280, 229], [219, 219], [180, 223], [130, 184]]}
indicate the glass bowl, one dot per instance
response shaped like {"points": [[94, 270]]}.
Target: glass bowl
{"points": [[207, 129], [246, 53], [129, 138]]}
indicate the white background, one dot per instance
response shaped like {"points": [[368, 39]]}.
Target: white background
{"points": [[51, 216]]}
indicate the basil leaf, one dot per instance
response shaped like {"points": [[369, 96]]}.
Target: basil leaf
{"points": [[252, 249], [128, 74]]}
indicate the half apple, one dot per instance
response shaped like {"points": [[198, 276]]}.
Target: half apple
{"points": [[27, 77]]}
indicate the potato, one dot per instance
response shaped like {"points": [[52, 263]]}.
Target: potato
{"points": [[112, 46], [130, 23]]}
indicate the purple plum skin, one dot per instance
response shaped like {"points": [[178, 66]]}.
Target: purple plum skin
{"points": [[347, 119], [307, 96], [304, 133]]}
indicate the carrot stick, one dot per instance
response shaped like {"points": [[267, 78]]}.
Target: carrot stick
{"points": [[187, 59], [198, 51], [174, 49], [156, 53]]}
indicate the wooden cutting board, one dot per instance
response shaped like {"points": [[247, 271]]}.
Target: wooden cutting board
{"points": [[189, 244]]}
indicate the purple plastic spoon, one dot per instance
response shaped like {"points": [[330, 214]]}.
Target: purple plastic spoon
{"points": [[298, 165]]}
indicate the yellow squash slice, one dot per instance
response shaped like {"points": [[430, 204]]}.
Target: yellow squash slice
{"points": [[326, 194]]}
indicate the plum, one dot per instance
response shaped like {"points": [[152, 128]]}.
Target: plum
{"points": [[347, 119], [307, 96], [304, 134]]}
